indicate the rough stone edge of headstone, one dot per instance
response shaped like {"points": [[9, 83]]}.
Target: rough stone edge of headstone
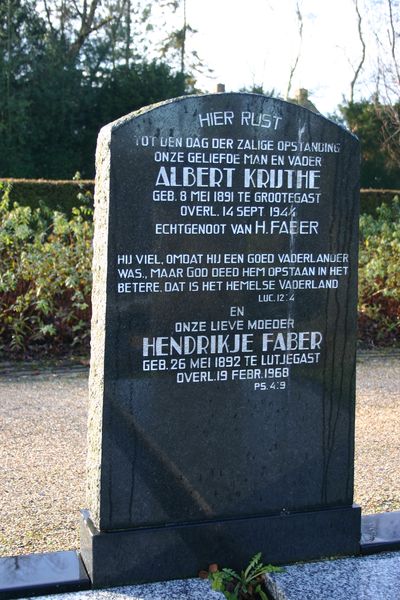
{"points": [[121, 121], [99, 270]]}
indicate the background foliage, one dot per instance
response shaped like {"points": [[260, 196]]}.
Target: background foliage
{"points": [[379, 276], [67, 68], [45, 280], [370, 121]]}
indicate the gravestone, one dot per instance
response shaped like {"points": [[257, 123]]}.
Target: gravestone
{"points": [[223, 341]]}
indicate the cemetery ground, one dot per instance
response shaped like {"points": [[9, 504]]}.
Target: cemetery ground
{"points": [[43, 448]]}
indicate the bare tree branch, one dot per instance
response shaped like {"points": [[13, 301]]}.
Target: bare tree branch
{"points": [[388, 110], [78, 12], [87, 26], [362, 60], [184, 29], [392, 36], [48, 16], [293, 69], [92, 12]]}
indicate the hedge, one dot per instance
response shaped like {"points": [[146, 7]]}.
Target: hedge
{"points": [[52, 194], [45, 280], [371, 199], [64, 195], [379, 276]]}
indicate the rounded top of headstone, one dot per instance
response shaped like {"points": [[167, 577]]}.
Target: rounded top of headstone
{"points": [[251, 112]]}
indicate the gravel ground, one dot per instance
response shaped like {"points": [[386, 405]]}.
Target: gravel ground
{"points": [[42, 450], [42, 461], [377, 460]]}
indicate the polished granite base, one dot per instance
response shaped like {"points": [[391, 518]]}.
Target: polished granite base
{"points": [[374, 577], [37, 574], [181, 551]]}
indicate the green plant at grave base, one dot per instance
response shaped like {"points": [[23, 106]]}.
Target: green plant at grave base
{"points": [[45, 280], [246, 585], [379, 276]]}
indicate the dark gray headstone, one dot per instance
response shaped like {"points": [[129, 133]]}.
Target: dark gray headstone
{"points": [[224, 332]]}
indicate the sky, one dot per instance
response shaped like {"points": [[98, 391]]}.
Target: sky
{"points": [[257, 41]]}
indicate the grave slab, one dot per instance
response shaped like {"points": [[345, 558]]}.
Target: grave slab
{"points": [[375, 577], [380, 532], [35, 574]]}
